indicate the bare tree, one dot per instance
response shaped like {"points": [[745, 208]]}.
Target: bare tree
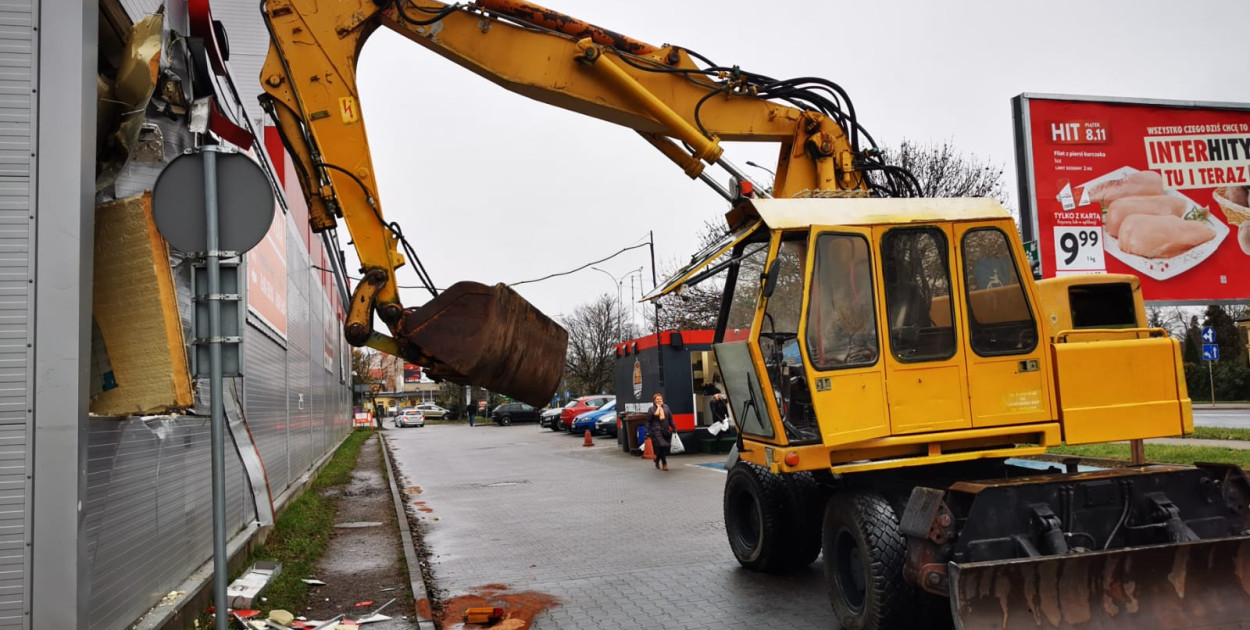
{"points": [[696, 307], [594, 330], [945, 172]]}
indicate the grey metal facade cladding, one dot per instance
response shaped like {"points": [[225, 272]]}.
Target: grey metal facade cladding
{"points": [[149, 510], [264, 368], [17, 136], [298, 362], [249, 44], [138, 9]]}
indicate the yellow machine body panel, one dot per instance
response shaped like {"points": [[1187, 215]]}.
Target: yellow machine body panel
{"points": [[1121, 390], [919, 320]]}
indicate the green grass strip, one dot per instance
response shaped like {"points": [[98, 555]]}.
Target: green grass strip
{"points": [[1161, 453], [304, 529], [1220, 433]]}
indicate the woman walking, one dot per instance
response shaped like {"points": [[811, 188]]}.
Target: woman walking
{"points": [[660, 428]]}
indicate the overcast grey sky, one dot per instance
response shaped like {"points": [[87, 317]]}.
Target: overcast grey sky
{"points": [[493, 187]]}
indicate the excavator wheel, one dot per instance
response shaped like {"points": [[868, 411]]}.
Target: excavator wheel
{"points": [[864, 556], [760, 521]]}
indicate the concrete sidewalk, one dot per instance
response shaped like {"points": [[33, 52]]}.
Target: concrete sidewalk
{"points": [[363, 566]]}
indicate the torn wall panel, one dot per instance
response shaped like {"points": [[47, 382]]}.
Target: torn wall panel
{"points": [[136, 307]]}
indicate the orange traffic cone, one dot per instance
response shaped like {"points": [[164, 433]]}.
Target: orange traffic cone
{"points": [[648, 451], [588, 441]]}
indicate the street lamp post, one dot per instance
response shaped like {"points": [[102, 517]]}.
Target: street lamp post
{"points": [[618, 281]]}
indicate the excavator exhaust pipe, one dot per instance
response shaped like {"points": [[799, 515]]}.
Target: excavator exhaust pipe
{"points": [[490, 337], [1200, 584]]}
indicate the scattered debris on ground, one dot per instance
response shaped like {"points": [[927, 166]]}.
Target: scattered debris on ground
{"points": [[517, 610]]}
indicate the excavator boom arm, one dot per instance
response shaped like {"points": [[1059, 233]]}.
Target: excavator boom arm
{"points": [[685, 111]]}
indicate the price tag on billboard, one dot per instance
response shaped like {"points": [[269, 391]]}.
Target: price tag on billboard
{"points": [[1079, 249]]}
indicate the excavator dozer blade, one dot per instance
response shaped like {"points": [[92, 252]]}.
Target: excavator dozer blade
{"points": [[490, 337], [1200, 584]]}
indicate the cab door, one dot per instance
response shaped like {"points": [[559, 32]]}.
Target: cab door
{"points": [[842, 339], [925, 370], [1006, 363]]}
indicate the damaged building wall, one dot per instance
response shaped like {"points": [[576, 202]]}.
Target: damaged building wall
{"points": [[148, 509]]}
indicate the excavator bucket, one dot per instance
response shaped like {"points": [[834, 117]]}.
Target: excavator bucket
{"points": [[1200, 584], [486, 336]]}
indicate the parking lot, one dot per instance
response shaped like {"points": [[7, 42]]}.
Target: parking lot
{"points": [[615, 542]]}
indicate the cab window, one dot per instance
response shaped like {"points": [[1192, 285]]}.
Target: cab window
{"points": [[915, 266], [999, 319], [841, 318], [749, 270], [779, 341]]}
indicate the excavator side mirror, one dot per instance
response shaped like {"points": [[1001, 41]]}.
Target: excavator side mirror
{"points": [[770, 278]]}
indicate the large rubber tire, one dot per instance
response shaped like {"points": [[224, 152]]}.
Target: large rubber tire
{"points": [[506, 421], [762, 523], [864, 556]]}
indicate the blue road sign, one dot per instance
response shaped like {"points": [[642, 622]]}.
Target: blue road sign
{"points": [[1208, 334], [1210, 352]]}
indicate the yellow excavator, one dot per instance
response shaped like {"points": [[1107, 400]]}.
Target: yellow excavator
{"points": [[892, 367]]}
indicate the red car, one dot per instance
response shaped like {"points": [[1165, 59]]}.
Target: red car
{"points": [[580, 406]]}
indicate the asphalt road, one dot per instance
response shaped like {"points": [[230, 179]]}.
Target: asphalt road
{"points": [[1226, 418], [617, 543]]}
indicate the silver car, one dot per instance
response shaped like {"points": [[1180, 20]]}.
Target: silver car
{"points": [[410, 418]]}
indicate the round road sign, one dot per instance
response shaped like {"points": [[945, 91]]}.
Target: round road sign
{"points": [[245, 203]]}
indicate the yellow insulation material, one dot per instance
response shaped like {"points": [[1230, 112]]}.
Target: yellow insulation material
{"points": [[136, 308]]}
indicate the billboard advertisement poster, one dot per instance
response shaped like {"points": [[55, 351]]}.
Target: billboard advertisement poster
{"points": [[266, 277], [412, 373], [1157, 189]]}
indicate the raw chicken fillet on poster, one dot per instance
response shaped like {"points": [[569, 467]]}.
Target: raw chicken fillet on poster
{"points": [[1182, 248]]}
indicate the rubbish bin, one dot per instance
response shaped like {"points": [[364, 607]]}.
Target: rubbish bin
{"points": [[632, 422]]}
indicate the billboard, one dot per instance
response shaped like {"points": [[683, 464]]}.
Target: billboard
{"points": [[1157, 189], [266, 276], [412, 373]]}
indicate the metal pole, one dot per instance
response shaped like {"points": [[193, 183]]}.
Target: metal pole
{"points": [[655, 283], [1211, 375], [220, 570]]}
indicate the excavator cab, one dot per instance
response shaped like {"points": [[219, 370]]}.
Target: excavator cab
{"points": [[890, 364]]}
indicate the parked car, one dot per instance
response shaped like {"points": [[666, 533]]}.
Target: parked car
{"points": [[431, 410], [606, 424], [580, 406], [508, 413], [410, 418], [590, 419], [550, 417], [555, 421]]}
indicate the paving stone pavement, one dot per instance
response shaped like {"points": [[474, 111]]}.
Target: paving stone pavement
{"points": [[620, 544]]}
